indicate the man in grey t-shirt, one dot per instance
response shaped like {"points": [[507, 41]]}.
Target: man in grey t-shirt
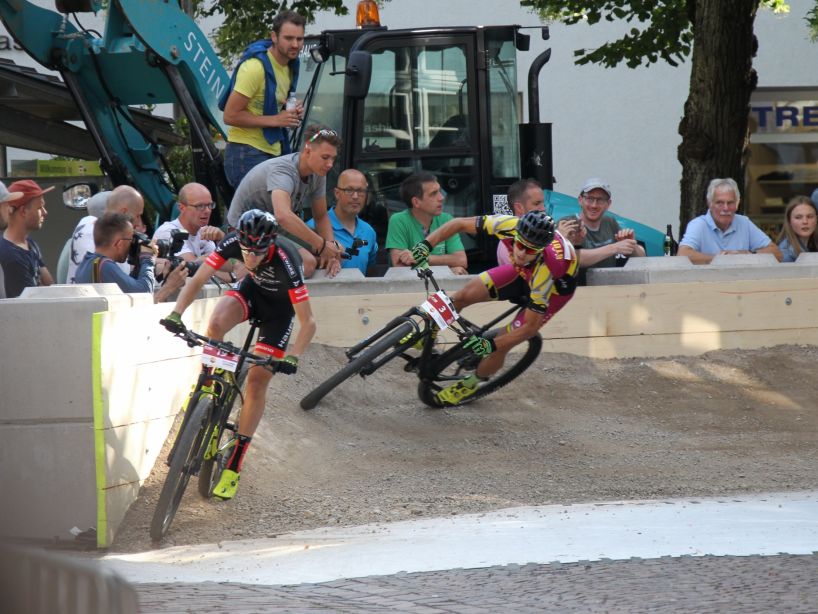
{"points": [[286, 186]]}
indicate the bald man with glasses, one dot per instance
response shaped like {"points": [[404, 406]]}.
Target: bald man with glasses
{"points": [[195, 207]]}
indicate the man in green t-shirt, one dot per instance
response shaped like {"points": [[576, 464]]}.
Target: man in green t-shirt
{"points": [[422, 194], [247, 143]]}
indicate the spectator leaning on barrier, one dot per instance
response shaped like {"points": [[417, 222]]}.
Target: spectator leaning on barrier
{"points": [[288, 185], [5, 198], [113, 236], [422, 194], [798, 233], [350, 197], [721, 230], [20, 256], [602, 239]]}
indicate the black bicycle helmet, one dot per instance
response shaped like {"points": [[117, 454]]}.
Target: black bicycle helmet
{"points": [[257, 229], [536, 229]]}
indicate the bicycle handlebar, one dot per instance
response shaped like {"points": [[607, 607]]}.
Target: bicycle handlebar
{"points": [[194, 339]]}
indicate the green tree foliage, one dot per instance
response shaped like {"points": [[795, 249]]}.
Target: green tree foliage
{"points": [[714, 132], [250, 20]]}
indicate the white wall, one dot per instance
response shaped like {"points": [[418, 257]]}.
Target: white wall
{"points": [[619, 123]]}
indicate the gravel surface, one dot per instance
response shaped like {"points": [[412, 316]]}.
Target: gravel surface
{"points": [[571, 429]]}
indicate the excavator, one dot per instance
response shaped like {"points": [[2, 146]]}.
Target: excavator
{"points": [[442, 99]]}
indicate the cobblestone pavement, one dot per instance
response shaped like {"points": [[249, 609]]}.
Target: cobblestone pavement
{"points": [[784, 583]]}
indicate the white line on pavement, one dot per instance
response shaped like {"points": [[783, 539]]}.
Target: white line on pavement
{"points": [[735, 525]]}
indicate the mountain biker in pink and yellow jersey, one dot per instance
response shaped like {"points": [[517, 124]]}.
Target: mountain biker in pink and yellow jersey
{"points": [[542, 274]]}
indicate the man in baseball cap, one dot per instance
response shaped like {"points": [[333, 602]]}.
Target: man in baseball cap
{"points": [[5, 198], [604, 243], [20, 255]]}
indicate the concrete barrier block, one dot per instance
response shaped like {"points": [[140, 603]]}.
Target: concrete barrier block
{"points": [[807, 258], [612, 276], [50, 471], [351, 274], [42, 338], [743, 260], [658, 263]]}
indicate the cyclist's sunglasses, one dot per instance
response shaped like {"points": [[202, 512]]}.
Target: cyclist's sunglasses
{"points": [[528, 249]]}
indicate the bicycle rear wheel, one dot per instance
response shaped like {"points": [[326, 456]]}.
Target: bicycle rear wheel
{"points": [[183, 465], [385, 343], [458, 363]]}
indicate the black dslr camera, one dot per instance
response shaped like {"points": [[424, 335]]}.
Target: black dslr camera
{"points": [[139, 239], [168, 248]]}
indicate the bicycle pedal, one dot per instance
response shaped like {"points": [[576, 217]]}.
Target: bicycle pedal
{"points": [[230, 426]]}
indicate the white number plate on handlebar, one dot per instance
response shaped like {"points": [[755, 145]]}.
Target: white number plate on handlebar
{"points": [[440, 308], [214, 357]]}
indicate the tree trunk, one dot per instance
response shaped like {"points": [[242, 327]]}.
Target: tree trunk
{"points": [[714, 126]]}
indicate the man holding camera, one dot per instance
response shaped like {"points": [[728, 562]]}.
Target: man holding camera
{"points": [[122, 199], [113, 236], [195, 205]]}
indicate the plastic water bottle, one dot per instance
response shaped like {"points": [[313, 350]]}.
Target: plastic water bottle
{"points": [[291, 104], [668, 248]]}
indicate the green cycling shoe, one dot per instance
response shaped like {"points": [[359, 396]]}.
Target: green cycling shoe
{"points": [[227, 486]]}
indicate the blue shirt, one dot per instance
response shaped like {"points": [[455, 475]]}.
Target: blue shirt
{"points": [[704, 236], [366, 254], [110, 273]]}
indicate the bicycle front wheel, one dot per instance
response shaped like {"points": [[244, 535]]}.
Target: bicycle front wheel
{"points": [[218, 448], [385, 343], [183, 465], [458, 363]]}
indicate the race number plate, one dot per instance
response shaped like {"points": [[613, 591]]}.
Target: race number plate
{"points": [[214, 357], [440, 308]]}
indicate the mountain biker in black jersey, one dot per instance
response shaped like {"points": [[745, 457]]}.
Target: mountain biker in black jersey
{"points": [[272, 292]]}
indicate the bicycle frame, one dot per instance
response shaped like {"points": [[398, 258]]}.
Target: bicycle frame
{"points": [[228, 387], [425, 363]]}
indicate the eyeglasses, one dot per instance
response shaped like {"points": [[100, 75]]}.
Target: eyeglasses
{"points": [[325, 133], [531, 251], [259, 251], [201, 206], [355, 191], [601, 200], [128, 239]]}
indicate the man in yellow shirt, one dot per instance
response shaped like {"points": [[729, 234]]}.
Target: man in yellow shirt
{"points": [[254, 110]]}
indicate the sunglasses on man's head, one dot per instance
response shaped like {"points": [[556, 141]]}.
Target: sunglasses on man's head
{"points": [[322, 133]]}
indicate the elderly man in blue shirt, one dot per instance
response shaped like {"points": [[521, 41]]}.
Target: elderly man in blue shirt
{"points": [[350, 197], [721, 230]]}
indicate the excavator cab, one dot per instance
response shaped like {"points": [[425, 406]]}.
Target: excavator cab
{"points": [[441, 100]]}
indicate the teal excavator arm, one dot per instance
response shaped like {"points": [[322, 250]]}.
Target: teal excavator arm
{"points": [[151, 53]]}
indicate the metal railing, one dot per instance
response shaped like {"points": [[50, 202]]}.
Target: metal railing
{"points": [[38, 582]]}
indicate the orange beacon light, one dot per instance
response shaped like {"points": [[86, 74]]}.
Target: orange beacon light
{"points": [[367, 15]]}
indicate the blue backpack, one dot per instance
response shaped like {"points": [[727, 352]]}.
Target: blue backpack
{"points": [[258, 50]]}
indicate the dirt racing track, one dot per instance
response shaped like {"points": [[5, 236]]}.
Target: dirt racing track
{"points": [[571, 429]]}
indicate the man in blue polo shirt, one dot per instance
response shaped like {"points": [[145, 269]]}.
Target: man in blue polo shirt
{"points": [[721, 230], [350, 198]]}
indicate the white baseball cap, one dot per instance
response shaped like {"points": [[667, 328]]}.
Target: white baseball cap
{"points": [[595, 182]]}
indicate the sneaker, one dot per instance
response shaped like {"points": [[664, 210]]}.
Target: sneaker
{"points": [[227, 486], [454, 394]]}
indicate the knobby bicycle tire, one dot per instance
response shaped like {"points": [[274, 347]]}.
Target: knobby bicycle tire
{"points": [[429, 387], [207, 476], [183, 463], [383, 344]]}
